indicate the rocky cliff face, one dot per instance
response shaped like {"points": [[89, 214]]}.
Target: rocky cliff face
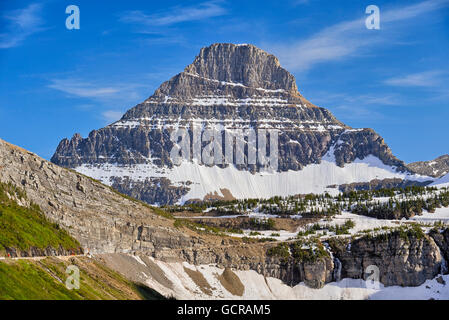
{"points": [[441, 238], [314, 274], [98, 217], [435, 168], [402, 259], [230, 87]]}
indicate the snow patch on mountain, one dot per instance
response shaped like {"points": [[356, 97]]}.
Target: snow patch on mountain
{"points": [[221, 124], [257, 287], [440, 214], [314, 178], [442, 182]]}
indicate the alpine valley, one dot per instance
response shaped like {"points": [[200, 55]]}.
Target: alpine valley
{"points": [[340, 218]]}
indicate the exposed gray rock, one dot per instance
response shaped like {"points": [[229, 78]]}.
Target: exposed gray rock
{"points": [[402, 259], [440, 280], [97, 216], [377, 184], [151, 190], [442, 240], [435, 168]]}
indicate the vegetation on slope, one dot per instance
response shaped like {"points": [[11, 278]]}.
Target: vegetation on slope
{"points": [[25, 227], [394, 203], [310, 250], [337, 229], [45, 280]]}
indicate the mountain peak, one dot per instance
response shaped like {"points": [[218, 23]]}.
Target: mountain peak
{"points": [[237, 88], [236, 70], [243, 64]]}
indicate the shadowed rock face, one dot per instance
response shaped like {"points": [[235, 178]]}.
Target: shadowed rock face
{"points": [[377, 184], [401, 260], [234, 87], [442, 241]]}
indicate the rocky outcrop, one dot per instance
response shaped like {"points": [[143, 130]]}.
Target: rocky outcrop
{"points": [[441, 238], [151, 190], [353, 144], [253, 69], [402, 259], [100, 218], [290, 270], [230, 87], [377, 184], [314, 274], [435, 168]]}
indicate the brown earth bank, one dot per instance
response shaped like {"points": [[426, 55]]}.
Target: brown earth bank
{"points": [[39, 252]]}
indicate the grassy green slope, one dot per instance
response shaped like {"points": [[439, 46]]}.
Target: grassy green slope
{"points": [[22, 228], [45, 280], [25, 227]]}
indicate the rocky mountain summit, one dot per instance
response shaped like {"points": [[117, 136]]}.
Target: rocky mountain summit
{"points": [[230, 87], [435, 168]]}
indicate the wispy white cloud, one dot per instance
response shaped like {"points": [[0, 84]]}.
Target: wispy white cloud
{"points": [[433, 78], [413, 11], [102, 93], [359, 99], [111, 115], [164, 39], [346, 38], [349, 112], [104, 98], [176, 14], [433, 83], [371, 99], [20, 24], [357, 106], [83, 89]]}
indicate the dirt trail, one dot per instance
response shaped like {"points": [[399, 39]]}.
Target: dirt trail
{"points": [[42, 257]]}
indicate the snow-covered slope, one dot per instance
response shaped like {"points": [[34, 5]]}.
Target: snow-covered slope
{"points": [[185, 281], [441, 182], [314, 178]]}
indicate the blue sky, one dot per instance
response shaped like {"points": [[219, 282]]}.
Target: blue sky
{"points": [[55, 82]]}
